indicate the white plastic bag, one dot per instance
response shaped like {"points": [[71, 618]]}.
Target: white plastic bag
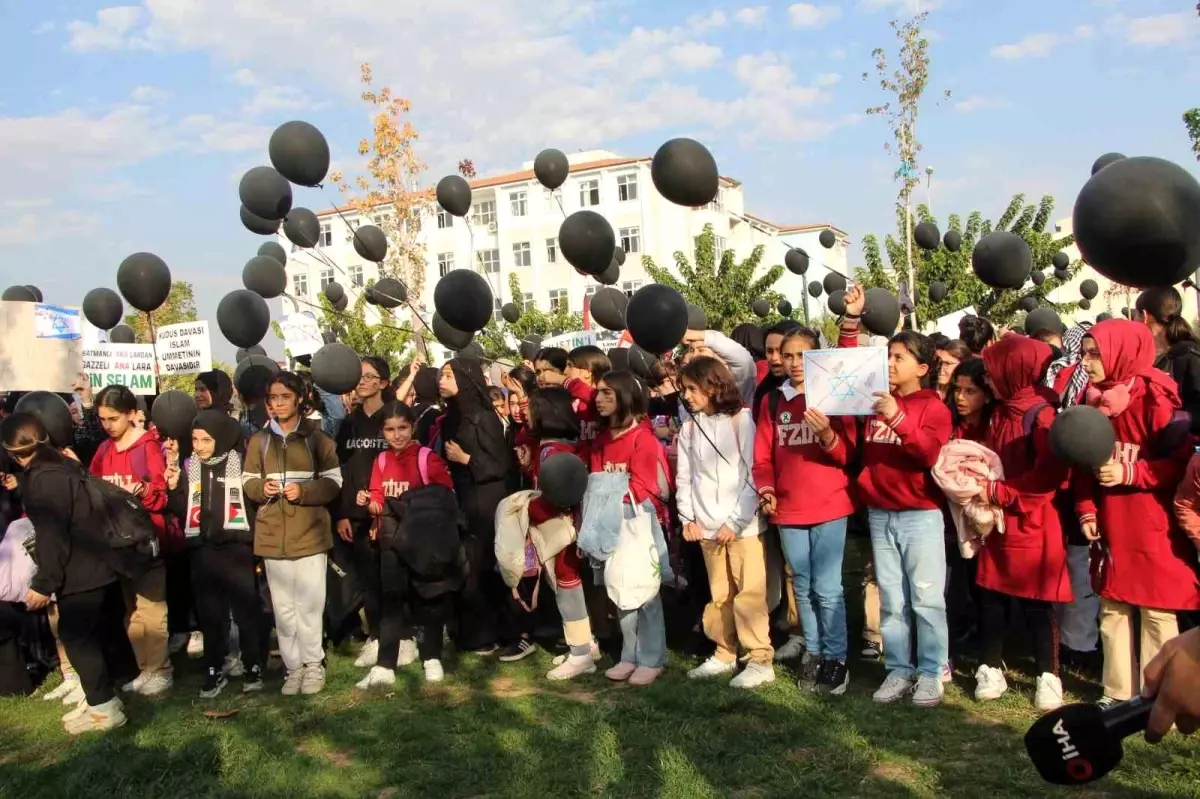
{"points": [[633, 572]]}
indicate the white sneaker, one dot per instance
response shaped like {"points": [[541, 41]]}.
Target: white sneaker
{"points": [[157, 683], [572, 666], [291, 683], [377, 677], [68, 685], [313, 681], [754, 675], [233, 666], [989, 683], [177, 642], [712, 668], [407, 653], [929, 691], [136, 683], [195, 645], [1049, 695], [434, 671], [894, 688], [792, 648], [80, 708], [368, 656], [105, 717], [75, 696]]}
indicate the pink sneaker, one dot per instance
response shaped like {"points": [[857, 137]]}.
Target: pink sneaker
{"points": [[621, 672], [644, 675]]}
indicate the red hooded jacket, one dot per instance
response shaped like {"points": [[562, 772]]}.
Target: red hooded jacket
{"points": [[639, 453], [899, 452], [142, 462], [402, 470]]}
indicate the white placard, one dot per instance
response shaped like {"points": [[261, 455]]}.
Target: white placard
{"points": [[56, 322], [130, 365], [32, 362], [948, 325], [183, 349], [301, 334], [843, 382], [569, 341]]}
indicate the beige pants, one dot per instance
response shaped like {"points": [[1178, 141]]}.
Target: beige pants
{"points": [[1122, 665], [63, 663], [872, 609], [737, 577], [146, 601]]}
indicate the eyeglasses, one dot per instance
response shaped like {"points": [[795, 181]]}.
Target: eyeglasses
{"points": [[367, 377]]}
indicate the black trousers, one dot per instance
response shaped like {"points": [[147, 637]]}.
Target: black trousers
{"points": [[366, 569], [224, 584], [91, 626], [181, 610], [1039, 618], [543, 621], [14, 677]]}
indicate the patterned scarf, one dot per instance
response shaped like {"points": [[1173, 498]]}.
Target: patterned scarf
{"points": [[235, 507], [1072, 354]]}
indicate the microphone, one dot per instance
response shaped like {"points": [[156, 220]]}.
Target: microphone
{"points": [[1080, 743]]}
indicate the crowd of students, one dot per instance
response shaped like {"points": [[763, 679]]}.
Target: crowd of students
{"points": [[422, 493]]}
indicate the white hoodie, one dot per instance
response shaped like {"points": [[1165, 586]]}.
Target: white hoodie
{"points": [[714, 487]]}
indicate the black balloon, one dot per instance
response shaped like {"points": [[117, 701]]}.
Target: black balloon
{"points": [[833, 282], [340, 304], [587, 241], [18, 294], [927, 236], [328, 336], [881, 312], [1085, 304], [370, 296], [173, 413], [336, 368], [1060, 260], [640, 362], [1002, 260], [610, 276], [619, 255], [1126, 313], [685, 172], [454, 195], [657, 317], [299, 152], [814, 289], [464, 300], [37, 293], [371, 243], [264, 275], [608, 308], [796, 261], [1028, 303], [390, 292], [256, 224], [1088, 289], [937, 291], [510, 313], [529, 347], [551, 168], [245, 352], [265, 193], [144, 281], [952, 240], [1135, 222], [274, 249], [1062, 275], [761, 308], [837, 302], [451, 337], [253, 374], [334, 292], [122, 334], [785, 308], [302, 228], [54, 414], [827, 239], [1105, 160], [243, 318], [103, 308], [1037, 277], [562, 479], [1082, 436]]}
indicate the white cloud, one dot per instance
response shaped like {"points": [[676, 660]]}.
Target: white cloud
{"points": [[977, 103], [806, 15], [694, 55], [828, 79], [934, 35], [110, 31], [148, 94], [703, 22], [31, 228], [1160, 30], [751, 17], [274, 99], [27, 203], [45, 26], [900, 6], [245, 77], [838, 54], [1039, 45]]}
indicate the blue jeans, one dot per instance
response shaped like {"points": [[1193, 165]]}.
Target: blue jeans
{"points": [[815, 556], [910, 568], [644, 635]]}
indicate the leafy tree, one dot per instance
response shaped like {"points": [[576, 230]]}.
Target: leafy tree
{"points": [[180, 307], [533, 322], [387, 339], [954, 270], [724, 290], [1191, 119]]}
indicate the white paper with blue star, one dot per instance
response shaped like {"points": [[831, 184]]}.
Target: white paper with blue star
{"points": [[843, 382]]}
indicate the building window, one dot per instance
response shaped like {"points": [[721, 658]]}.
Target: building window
{"points": [[326, 239], [591, 291], [627, 188], [718, 202], [490, 259], [589, 192], [527, 303], [551, 199], [356, 275], [558, 299], [483, 213], [351, 226], [522, 256], [631, 239], [326, 277], [496, 306], [552, 251], [300, 284], [520, 203], [445, 261], [719, 247], [445, 220], [630, 286]]}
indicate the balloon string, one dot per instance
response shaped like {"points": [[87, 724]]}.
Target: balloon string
{"points": [[558, 199]]}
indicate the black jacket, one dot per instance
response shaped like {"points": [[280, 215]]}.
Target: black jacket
{"points": [[71, 553], [212, 508], [1182, 363], [359, 443]]}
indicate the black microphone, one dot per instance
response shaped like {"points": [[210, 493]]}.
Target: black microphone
{"points": [[1080, 743]]}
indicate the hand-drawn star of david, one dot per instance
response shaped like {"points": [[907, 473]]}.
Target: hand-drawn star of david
{"points": [[840, 386]]}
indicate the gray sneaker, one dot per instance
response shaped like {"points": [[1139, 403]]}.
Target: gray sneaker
{"points": [[894, 688], [810, 667], [929, 691]]}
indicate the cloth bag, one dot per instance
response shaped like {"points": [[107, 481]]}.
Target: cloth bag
{"points": [[633, 573]]}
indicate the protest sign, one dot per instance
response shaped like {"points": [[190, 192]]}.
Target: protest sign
{"points": [[31, 361], [301, 334], [183, 349], [129, 365], [569, 341], [843, 382]]}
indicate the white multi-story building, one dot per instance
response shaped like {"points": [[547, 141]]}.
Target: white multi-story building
{"points": [[513, 229]]}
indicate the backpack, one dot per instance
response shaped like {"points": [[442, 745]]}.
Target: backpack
{"points": [[125, 522], [421, 526]]}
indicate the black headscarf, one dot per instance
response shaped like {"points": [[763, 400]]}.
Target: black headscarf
{"points": [[220, 386], [425, 385], [225, 431], [472, 400]]}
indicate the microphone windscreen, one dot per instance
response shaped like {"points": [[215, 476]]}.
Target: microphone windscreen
{"points": [[1072, 745]]}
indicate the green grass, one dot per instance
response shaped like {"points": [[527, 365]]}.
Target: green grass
{"points": [[500, 730]]}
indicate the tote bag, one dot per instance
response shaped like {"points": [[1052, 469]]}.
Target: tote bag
{"points": [[633, 572]]}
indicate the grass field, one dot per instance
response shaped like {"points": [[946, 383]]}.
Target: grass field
{"points": [[496, 730]]}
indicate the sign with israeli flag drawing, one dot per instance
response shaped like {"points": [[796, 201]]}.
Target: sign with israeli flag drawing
{"points": [[56, 322]]}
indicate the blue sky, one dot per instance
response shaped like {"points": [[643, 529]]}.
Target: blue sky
{"points": [[125, 128]]}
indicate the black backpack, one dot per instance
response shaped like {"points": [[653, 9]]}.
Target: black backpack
{"points": [[422, 527], [119, 517]]}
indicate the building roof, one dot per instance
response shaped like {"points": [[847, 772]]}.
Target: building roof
{"points": [[798, 228]]}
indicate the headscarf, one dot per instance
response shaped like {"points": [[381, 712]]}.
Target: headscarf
{"points": [[1072, 353], [1128, 352], [226, 434], [220, 387], [472, 400], [425, 384], [223, 428], [1015, 365]]}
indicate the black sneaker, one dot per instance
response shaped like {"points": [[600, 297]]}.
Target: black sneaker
{"points": [[252, 682], [871, 650], [519, 650], [214, 681], [810, 667], [833, 678]]}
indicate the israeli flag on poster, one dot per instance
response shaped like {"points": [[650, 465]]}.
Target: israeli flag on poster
{"points": [[53, 321]]}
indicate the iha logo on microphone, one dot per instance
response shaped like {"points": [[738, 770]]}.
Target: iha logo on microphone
{"points": [[1077, 767]]}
